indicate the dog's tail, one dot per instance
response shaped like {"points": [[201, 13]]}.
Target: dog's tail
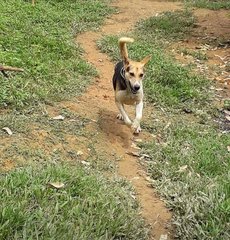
{"points": [[122, 45]]}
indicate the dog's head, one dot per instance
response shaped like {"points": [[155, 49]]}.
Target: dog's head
{"points": [[134, 73]]}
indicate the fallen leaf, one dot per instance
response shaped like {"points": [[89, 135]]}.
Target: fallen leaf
{"points": [[59, 117], [228, 147], [163, 237], [57, 185], [133, 145], [228, 118], [183, 168], [167, 125], [7, 130], [138, 140], [79, 153], [227, 112], [135, 154], [85, 163], [135, 178], [149, 179]]}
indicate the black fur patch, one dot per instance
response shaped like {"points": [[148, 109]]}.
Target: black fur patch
{"points": [[118, 80]]}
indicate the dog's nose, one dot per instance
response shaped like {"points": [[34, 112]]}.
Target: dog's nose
{"points": [[136, 87]]}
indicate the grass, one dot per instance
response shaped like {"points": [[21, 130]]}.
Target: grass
{"points": [[190, 167], [167, 83], [200, 55], [167, 26], [41, 40], [210, 4], [88, 207]]}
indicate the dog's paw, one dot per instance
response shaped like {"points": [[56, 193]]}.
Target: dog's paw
{"points": [[136, 127], [120, 117]]}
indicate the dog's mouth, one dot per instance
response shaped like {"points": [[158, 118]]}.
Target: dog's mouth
{"points": [[132, 89]]}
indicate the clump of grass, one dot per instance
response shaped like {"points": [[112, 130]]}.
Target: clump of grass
{"points": [[196, 54], [190, 167], [167, 26], [88, 207], [41, 40], [210, 4]]}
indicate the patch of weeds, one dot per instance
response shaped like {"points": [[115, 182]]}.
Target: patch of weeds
{"points": [[166, 82], [166, 26], [190, 165], [41, 41], [89, 206], [210, 4], [18, 123], [196, 54]]}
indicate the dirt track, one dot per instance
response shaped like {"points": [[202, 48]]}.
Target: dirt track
{"points": [[98, 103]]}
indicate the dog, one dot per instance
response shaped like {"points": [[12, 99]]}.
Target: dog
{"points": [[127, 84]]}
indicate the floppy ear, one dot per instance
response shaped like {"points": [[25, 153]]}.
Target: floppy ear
{"points": [[146, 59]]}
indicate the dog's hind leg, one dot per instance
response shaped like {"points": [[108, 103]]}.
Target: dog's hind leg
{"points": [[136, 123], [123, 114]]}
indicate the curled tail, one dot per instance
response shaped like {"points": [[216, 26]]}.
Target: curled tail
{"points": [[123, 49]]}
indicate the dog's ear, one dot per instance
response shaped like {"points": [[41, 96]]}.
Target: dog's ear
{"points": [[146, 60], [126, 61]]}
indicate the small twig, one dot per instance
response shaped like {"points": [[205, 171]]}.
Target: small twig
{"points": [[8, 68], [33, 2]]}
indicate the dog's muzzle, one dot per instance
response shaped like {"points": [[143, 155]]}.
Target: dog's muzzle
{"points": [[134, 89]]}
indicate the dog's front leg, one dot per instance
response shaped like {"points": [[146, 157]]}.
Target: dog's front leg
{"points": [[136, 123], [126, 119]]}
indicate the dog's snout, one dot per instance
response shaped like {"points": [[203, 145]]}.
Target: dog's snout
{"points": [[136, 87]]}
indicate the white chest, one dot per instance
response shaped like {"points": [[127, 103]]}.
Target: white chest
{"points": [[128, 98]]}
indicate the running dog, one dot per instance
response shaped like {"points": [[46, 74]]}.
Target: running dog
{"points": [[127, 84]]}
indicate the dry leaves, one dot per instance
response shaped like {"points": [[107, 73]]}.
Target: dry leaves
{"points": [[85, 163], [163, 237], [79, 153], [59, 117], [56, 185], [7, 130], [183, 168], [135, 154]]}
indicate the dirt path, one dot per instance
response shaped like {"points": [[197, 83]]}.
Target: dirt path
{"points": [[98, 103]]}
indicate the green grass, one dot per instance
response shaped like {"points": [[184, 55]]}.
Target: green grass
{"points": [[197, 54], [167, 26], [190, 167], [41, 41], [167, 83], [210, 4], [88, 207]]}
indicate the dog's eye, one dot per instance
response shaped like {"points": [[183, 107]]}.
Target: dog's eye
{"points": [[141, 75], [132, 74]]}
